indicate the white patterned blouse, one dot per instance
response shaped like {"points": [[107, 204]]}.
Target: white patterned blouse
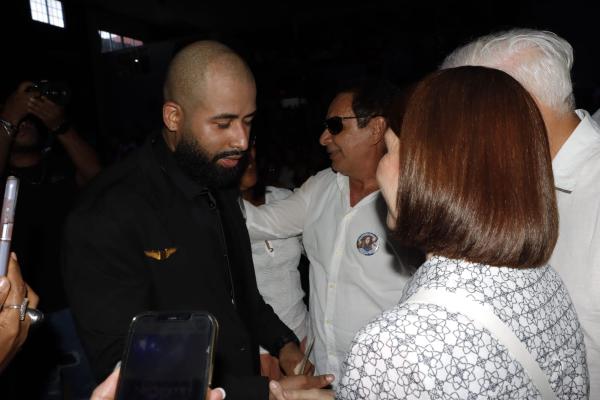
{"points": [[421, 351]]}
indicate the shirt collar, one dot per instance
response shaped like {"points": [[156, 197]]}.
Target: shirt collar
{"points": [[573, 155], [166, 160]]}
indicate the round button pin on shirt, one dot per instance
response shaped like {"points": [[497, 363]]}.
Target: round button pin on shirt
{"points": [[367, 244]]}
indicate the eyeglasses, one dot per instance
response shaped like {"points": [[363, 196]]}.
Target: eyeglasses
{"points": [[335, 124]]}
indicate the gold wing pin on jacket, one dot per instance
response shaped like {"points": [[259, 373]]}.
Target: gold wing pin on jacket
{"points": [[161, 255]]}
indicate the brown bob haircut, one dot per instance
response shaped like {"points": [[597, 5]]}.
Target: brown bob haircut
{"points": [[475, 179]]}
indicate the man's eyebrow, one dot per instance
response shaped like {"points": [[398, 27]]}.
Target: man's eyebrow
{"points": [[231, 116], [224, 116]]}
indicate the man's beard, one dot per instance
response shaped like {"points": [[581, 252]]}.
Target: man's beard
{"points": [[198, 165]]}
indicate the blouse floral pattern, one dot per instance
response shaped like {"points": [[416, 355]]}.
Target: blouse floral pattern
{"points": [[423, 351]]}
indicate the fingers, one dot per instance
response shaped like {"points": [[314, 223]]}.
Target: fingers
{"points": [[18, 288], [15, 297], [306, 382], [25, 85], [320, 381], [32, 296], [216, 394], [107, 389], [275, 391], [311, 394], [50, 113], [35, 109], [4, 289]]}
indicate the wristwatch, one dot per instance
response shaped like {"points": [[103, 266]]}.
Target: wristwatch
{"points": [[62, 129], [282, 341]]}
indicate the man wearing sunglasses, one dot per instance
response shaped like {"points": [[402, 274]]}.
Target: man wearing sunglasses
{"points": [[335, 211]]}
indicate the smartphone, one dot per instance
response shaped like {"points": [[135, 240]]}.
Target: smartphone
{"points": [[8, 217], [168, 355]]}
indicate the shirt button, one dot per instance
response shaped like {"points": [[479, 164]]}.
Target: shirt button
{"points": [[337, 253], [347, 217], [332, 286], [327, 322], [330, 352]]}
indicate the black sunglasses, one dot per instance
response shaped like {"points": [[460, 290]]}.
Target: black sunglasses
{"points": [[335, 124]]}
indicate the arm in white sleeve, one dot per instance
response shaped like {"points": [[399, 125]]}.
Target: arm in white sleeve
{"points": [[281, 219]]}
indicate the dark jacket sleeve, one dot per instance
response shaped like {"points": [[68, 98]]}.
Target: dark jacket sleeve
{"points": [[105, 286], [271, 327]]}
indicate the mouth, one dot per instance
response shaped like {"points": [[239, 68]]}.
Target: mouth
{"points": [[332, 154], [230, 162]]}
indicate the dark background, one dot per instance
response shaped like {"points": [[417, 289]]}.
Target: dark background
{"points": [[296, 50]]}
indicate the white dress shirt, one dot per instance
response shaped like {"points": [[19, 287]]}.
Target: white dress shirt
{"points": [[277, 276], [347, 287], [577, 253], [596, 116]]}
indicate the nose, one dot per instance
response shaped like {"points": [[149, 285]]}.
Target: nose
{"points": [[325, 138], [240, 137]]}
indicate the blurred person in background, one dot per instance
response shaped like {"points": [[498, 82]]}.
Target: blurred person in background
{"points": [[49, 184]]}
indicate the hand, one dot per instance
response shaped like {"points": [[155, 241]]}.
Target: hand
{"points": [[51, 114], [290, 355], [107, 390], [13, 331], [298, 382], [16, 108], [278, 392]]}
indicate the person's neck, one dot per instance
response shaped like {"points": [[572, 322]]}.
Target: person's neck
{"points": [[364, 181], [361, 188], [559, 129], [25, 159], [168, 138]]}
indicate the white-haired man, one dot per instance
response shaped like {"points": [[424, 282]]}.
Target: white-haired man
{"points": [[541, 61]]}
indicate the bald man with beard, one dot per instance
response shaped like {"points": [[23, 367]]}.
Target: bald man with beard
{"points": [[163, 231]]}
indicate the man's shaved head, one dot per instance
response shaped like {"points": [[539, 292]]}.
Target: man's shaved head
{"points": [[194, 65]]}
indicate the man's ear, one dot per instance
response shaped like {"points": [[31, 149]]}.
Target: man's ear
{"points": [[172, 116], [379, 126]]}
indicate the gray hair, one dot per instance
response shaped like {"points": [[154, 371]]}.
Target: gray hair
{"points": [[540, 60]]}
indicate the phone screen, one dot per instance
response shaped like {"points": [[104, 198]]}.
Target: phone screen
{"points": [[168, 357]]}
